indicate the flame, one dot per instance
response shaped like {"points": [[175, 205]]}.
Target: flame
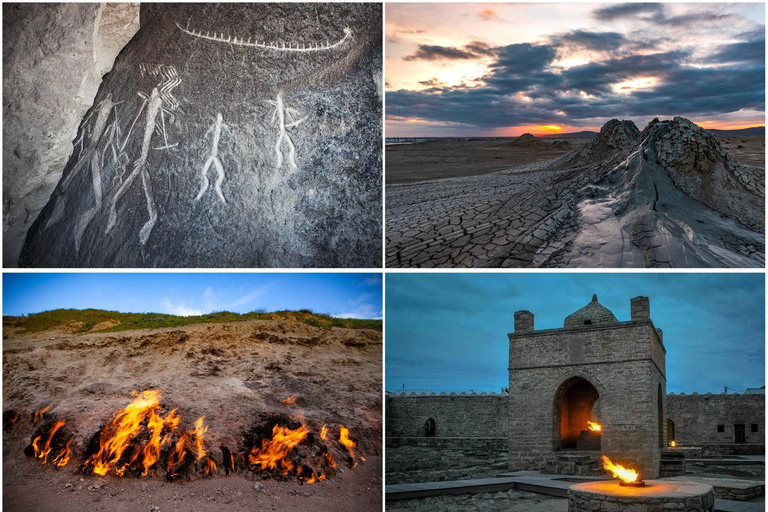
{"points": [[290, 400], [197, 434], [275, 451], [62, 458], [620, 472], [42, 452], [229, 462], [177, 456], [14, 419], [672, 444], [209, 467], [324, 432], [346, 441], [594, 427], [39, 413]]}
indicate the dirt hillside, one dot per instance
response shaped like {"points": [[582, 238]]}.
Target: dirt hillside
{"points": [[235, 374]]}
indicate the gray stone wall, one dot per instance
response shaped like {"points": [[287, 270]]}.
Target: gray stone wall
{"points": [[696, 418], [468, 416]]}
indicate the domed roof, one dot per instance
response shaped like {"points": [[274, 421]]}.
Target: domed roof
{"points": [[593, 314]]}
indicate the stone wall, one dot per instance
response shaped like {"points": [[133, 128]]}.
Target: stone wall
{"points": [[457, 416], [696, 418]]}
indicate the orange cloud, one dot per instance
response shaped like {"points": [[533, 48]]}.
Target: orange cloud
{"points": [[488, 14]]}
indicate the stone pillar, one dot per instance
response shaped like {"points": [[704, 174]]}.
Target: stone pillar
{"points": [[523, 321], [641, 308]]}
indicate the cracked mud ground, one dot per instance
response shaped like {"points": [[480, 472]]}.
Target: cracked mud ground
{"points": [[231, 373], [611, 203]]}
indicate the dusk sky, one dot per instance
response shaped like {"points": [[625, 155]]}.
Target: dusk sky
{"points": [[507, 69], [448, 332], [344, 295]]}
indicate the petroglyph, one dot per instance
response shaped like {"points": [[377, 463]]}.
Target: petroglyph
{"points": [[280, 113], [154, 104], [170, 81], [104, 110], [279, 46], [214, 160]]}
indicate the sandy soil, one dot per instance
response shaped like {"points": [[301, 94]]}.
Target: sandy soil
{"points": [[233, 374], [409, 163], [746, 150]]}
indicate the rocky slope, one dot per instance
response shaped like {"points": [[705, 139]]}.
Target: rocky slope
{"points": [[228, 135], [669, 196], [54, 57]]}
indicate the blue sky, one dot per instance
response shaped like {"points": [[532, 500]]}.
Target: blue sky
{"points": [[347, 295], [448, 332]]}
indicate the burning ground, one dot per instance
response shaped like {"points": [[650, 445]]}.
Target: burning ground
{"points": [[266, 414]]}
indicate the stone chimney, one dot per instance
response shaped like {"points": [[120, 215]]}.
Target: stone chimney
{"points": [[641, 308], [523, 321]]}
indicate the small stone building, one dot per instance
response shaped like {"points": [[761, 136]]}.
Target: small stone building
{"points": [[595, 368]]}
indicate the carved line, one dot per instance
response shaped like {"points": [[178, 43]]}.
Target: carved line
{"points": [[219, 38]]}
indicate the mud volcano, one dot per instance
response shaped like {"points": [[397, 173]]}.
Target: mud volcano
{"points": [[235, 135], [669, 196]]}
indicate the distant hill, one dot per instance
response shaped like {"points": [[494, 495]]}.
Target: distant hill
{"points": [[110, 321], [574, 135], [744, 132]]}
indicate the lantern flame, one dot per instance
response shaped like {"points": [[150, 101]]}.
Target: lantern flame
{"points": [[619, 471], [594, 427], [672, 444]]}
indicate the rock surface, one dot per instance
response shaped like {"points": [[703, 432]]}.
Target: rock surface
{"points": [[527, 140], [667, 197], [54, 57], [228, 136]]}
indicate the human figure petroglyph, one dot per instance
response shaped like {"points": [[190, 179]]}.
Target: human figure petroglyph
{"points": [[104, 110], [214, 160], [154, 104], [274, 46], [280, 113]]}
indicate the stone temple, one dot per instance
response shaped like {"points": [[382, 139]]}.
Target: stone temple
{"points": [[593, 369]]}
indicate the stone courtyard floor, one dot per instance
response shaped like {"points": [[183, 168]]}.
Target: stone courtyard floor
{"points": [[508, 501], [409, 464]]}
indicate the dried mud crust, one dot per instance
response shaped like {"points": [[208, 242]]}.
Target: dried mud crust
{"points": [[609, 203], [233, 374]]}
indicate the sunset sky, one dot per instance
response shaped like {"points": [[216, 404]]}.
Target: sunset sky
{"points": [[507, 69]]}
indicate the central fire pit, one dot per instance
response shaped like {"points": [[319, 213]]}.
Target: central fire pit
{"points": [[655, 496]]}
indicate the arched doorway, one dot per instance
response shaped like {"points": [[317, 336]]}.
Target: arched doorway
{"points": [[670, 431], [574, 401], [429, 428], [660, 411]]}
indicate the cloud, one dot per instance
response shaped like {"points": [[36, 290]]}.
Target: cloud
{"points": [[364, 311], [373, 280], [745, 51], [488, 15], [431, 82], [632, 11], [250, 297], [473, 50], [598, 41], [180, 309]]}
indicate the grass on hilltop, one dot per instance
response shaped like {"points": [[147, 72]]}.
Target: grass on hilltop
{"points": [[90, 317]]}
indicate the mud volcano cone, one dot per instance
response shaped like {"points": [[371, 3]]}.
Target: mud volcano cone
{"points": [[669, 196], [237, 135]]}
